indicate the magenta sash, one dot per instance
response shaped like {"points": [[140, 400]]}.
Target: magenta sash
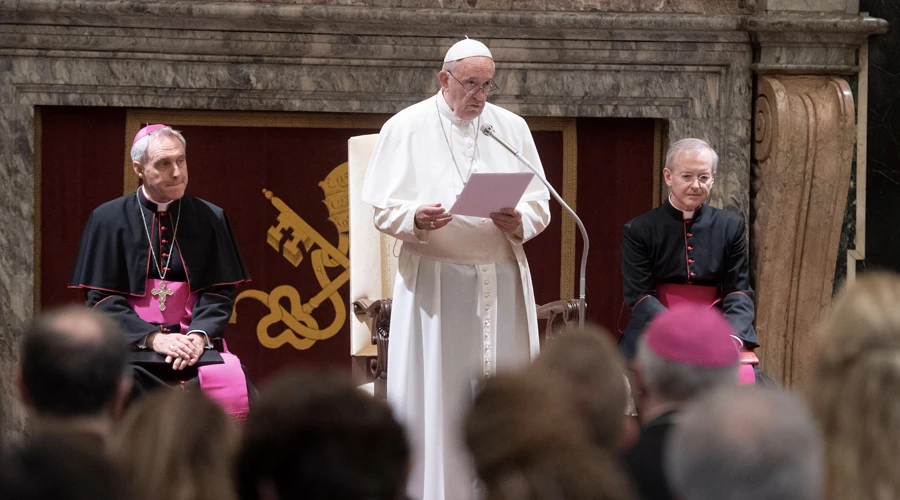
{"points": [[224, 383], [179, 305], [672, 295]]}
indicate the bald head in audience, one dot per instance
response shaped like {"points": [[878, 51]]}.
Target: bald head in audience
{"points": [[746, 444], [73, 371]]}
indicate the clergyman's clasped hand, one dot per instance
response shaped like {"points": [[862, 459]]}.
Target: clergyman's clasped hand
{"points": [[432, 216], [180, 350]]}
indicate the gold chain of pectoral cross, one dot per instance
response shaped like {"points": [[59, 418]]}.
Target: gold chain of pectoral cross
{"points": [[162, 292]]}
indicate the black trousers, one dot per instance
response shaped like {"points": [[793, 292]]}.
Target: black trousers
{"points": [[154, 376]]}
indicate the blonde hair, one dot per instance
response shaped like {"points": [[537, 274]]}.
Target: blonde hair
{"points": [[857, 379], [178, 446]]}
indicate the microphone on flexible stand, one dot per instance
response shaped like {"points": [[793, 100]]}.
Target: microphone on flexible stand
{"points": [[489, 131]]}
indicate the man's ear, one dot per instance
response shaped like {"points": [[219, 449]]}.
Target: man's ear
{"points": [[444, 78], [138, 169], [117, 406], [667, 175]]}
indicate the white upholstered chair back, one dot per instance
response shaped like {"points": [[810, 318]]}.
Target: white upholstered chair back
{"points": [[372, 261]]}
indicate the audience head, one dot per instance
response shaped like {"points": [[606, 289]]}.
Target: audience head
{"points": [[55, 468], [685, 352], [315, 436], [746, 443], [856, 380], [589, 363], [528, 443], [176, 445], [74, 364]]}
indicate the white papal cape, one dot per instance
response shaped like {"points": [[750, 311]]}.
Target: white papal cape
{"points": [[463, 303]]}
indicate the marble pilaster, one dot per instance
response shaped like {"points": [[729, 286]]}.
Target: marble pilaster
{"points": [[803, 152]]}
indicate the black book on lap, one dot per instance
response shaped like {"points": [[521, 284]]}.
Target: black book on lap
{"points": [[150, 357]]}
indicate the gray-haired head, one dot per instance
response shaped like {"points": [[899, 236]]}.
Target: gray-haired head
{"points": [[743, 444], [676, 382], [690, 144], [450, 66], [139, 149]]}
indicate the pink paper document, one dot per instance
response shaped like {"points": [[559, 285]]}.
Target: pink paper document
{"points": [[485, 194]]}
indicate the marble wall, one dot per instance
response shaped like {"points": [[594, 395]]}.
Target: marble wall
{"points": [[849, 6], [679, 6], [557, 58]]}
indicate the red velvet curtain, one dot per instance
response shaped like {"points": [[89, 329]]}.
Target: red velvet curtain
{"points": [[81, 167], [615, 184]]}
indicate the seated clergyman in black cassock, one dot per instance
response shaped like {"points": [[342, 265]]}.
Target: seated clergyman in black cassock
{"points": [[165, 265], [686, 251]]}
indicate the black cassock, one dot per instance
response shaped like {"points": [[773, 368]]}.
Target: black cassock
{"points": [[661, 247], [114, 262]]}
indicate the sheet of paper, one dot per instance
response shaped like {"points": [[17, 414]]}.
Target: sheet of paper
{"points": [[488, 193]]}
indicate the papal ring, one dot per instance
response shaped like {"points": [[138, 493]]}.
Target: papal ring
{"points": [[432, 224]]}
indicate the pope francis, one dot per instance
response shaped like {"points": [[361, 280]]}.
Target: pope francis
{"points": [[463, 303]]}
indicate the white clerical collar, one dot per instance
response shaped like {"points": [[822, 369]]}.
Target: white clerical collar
{"points": [[160, 207], [446, 112], [685, 214]]}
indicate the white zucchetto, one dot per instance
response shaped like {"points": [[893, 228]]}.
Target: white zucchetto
{"points": [[467, 48]]}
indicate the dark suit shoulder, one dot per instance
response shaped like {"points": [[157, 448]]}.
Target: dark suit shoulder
{"points": [[113, 207], [731, 223], [205, 207], [726, 216], [646, 220]]}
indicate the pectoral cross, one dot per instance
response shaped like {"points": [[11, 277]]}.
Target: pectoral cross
{"points": [[161, 294]]}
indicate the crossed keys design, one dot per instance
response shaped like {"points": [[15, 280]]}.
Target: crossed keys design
{"points": [[302, 330], [161, 294]]}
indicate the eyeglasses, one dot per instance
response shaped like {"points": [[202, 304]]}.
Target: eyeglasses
{"points": [[690, 178], [471, 87]]}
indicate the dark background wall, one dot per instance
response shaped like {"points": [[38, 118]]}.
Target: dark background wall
{"points": [[883, 158]]}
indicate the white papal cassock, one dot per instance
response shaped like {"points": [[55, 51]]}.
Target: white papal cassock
{"points": [[463, 303]]}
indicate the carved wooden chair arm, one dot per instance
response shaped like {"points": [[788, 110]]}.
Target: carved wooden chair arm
{"points": [[380, 313], [559, 314]]}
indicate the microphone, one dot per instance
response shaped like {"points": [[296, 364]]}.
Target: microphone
{"points": [[489, 131]]}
